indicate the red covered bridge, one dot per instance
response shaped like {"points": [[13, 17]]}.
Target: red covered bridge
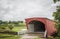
{"points": [[40, 25]]}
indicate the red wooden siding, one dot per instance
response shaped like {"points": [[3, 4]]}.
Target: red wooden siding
{"points": [[49, 24]]}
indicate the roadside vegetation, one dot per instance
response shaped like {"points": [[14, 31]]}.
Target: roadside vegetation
{"points": [[8, 36], [9, 29]]}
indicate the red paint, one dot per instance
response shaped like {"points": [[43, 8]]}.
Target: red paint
{"points": [[49, 24]]}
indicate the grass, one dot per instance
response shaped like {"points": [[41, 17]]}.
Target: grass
{"points": [[16, 29], [57, 37], [9, 36], [38, 38]]}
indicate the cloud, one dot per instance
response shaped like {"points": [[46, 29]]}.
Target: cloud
{"points": [[21, 9]]}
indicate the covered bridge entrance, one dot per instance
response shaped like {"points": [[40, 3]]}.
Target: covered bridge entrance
{"points": [[36, 26], [40, 25]]}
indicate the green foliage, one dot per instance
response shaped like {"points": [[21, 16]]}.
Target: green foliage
{"points": [[57, 14], [55, 1], [10, 27], [54, 38], [57, 19], [58, 29], [0, 21]]}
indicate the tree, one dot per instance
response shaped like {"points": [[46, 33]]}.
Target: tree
{"points": [[57, 17], [0, 21], [55, 1], [57, 14]]}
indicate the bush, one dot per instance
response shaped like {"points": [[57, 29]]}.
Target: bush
{"points": [[10, 27]]}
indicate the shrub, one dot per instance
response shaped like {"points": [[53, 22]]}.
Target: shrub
{"points": [[10, 27]]}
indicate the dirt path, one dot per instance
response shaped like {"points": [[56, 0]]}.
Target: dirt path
{"points": [[32, 35], [26, 36]]}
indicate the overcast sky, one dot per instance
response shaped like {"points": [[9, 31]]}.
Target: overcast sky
{"points": [[21, 9]]}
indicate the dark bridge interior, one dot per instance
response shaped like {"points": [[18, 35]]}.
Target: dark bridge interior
{"points": [[38, 26]]}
